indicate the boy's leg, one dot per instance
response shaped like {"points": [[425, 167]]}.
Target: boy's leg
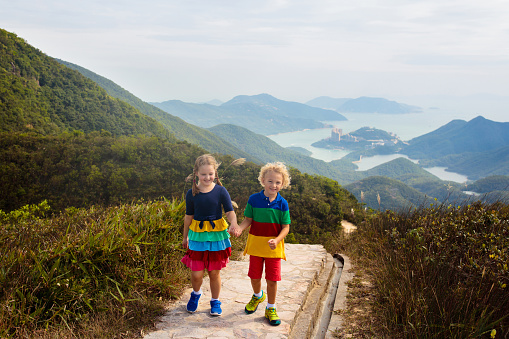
{"points": [[272, 275], [257, 285], [271, 291], [215, 283], [255, 273]]}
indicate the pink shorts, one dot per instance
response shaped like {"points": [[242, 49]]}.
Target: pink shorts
{"points": [[272, 268], [199, 265]]}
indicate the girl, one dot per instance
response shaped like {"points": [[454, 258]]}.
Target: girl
{"points": [[206, 234]]}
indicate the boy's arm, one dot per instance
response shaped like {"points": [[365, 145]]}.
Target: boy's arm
{"points": [[245, 223], [284, 232], [187, 222]]}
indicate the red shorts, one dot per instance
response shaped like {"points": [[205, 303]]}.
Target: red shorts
{"points": [[272, 268]]}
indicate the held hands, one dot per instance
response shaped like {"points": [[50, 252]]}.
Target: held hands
{"points": [[235, 230]]}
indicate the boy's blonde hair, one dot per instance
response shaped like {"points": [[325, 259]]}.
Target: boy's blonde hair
{"points": [[277, 167]]}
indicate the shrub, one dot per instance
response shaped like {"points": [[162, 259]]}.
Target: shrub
{"points": [[440, 271], [68, 268]]}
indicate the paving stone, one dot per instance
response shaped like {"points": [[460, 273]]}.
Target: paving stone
{"points": [[304, 263]]}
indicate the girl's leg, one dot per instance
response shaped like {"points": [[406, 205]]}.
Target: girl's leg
{"points": [[271, 291], [215, 283], [196, 280]]}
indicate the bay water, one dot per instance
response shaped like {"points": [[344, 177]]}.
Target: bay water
{"points": [[405, 126]]}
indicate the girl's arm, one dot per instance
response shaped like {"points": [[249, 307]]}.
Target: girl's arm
{"points": [[234, 227], [187, 222], [284, 232]]}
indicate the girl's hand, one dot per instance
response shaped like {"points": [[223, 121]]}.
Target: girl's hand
{"points": [[185, 243], [272, 244]]}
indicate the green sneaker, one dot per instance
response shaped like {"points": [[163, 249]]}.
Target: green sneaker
{"points": [[271, 314], [253, 304]]}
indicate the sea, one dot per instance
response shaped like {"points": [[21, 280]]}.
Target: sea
{"points": [[406, 126]]}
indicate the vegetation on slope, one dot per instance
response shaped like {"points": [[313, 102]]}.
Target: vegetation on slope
{"points": [[71, 273], [37, 93], [79, 170], [435, 272], [181, 129], [382, 193]]}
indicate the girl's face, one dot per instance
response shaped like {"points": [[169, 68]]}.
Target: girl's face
{"points": [[206, 175]]}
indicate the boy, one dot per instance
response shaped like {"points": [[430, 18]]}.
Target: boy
{"points": [[269, 217]]}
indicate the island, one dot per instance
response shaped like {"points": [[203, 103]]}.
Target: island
{"points": [[362, 139]]}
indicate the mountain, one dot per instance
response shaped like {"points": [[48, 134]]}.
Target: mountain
{"points": [[261, 114], [416, 177], [475, 165], [489, 184], [267, 150], [181, 129], [459, 136], [394, 194], [285, 108], [376, 105], [327, 102], [38, 94]]}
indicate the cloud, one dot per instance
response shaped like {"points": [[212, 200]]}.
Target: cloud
{"points": [[162, 49]]}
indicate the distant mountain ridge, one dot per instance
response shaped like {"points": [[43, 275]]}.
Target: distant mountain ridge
{"points": [[364, 105], [262, 114], [288, 109], [459, 136]]}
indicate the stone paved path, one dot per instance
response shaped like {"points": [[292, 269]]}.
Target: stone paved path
{"points": [[298, 273]]}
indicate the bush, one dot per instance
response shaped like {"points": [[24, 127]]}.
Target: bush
{"points": [[69, 268], [440, 271]]}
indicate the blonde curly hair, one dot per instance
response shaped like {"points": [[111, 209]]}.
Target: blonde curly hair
{"points": [[277, 167]]}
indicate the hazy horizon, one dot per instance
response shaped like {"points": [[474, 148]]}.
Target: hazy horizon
{"points": [[197, 51]]}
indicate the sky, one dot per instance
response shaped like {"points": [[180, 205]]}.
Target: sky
{"points": [[201, 50]]}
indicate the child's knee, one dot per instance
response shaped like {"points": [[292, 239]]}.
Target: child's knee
{"points": [[214, 274]]}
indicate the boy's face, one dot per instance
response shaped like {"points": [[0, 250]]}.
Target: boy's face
{"points": [[272, 182]]}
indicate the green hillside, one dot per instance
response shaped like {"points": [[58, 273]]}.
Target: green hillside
{"points": [[181, 129], [394, 195], [39, 94], [491, 183], [475, 165]]}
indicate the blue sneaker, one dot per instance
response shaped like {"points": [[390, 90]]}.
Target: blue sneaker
{"points": [[215, 308], [192, 304]]}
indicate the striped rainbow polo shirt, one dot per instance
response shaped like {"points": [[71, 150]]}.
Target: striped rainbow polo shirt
{"points": [[268, 218]]}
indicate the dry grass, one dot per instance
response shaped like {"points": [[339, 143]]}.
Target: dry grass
{"points": [[438, 272]]}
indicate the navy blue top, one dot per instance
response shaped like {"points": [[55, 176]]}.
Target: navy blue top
{"points": [[207, 206]]}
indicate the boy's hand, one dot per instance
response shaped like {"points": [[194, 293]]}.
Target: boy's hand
{"points": [[272, 244]]}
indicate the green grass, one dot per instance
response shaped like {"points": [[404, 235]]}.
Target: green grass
{"points": [[437, 272], [69, 274]]}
